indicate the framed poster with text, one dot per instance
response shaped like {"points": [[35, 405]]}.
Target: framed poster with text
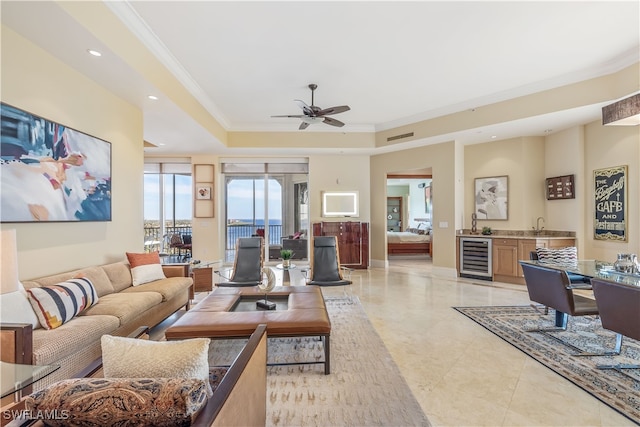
{"points": [[610, 197]]}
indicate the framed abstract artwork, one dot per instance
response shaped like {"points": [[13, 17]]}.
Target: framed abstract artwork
{"points": [[491, 198], [610, 204], [50, 172]]}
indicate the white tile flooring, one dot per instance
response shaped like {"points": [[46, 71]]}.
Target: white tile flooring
{"points": [[461, 374]]}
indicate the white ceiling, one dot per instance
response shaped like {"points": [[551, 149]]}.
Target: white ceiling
{"points": [[393, 63]]}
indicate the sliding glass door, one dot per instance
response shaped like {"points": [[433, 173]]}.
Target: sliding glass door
{"points": [[168, 208], [264, 204]]}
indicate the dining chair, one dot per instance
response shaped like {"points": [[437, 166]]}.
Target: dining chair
{"points": [[619, 308], [553, 289]]}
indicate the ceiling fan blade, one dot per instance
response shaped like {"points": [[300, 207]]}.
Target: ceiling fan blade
{"points": [[333, 110], [296, 116], [303, 126], [305, 108], [333, 122]]}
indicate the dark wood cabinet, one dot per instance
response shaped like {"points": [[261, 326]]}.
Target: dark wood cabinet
{"points": [[353, 241]]}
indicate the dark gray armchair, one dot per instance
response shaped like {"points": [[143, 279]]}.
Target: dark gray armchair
{"points": [[247, 265], [325, 264]]}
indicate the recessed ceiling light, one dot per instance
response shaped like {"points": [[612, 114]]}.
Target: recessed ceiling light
{"points": [[494, 136], [153, 97], [94, 52]]}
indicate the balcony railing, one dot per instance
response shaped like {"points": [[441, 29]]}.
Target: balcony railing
{"points": [[153, 241], [236, 231]]}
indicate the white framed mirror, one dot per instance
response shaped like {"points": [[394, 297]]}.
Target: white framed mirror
{"points": [[340, 204]]}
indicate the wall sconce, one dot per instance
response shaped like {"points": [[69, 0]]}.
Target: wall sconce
{"points": [[625, 112]]}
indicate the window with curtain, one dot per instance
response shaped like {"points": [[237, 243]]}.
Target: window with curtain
{"points": [[168, 205]]}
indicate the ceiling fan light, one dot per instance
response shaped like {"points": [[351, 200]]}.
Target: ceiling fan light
{"points": [[312, 120]]}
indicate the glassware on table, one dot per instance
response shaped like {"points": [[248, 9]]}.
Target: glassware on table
{"points": [[626, 263]]}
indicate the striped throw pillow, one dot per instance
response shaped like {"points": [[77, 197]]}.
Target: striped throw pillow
{"points": [[145, 267], [57, 304], [568, 255]]}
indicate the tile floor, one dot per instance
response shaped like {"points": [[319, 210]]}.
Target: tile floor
{"points": [[461, 374]]}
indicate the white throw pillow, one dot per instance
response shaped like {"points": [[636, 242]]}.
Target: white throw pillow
{"points": [[137, 358], [15, 308], [145, 267]]}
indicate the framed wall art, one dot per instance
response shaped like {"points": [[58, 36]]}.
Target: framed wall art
{"points": [[560, 187], [491, 198], [203, 192], [203, 179], [50, 172], [610, 198]]}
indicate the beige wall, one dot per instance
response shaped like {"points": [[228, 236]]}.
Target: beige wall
{"points": [[607, 146], [522, 161], [36, 82], [208, 233], [576, 151], [564, 155], [339, 173], [440, 158]]}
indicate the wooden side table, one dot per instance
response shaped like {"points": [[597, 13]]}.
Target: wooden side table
{"points": [[202, 279]]}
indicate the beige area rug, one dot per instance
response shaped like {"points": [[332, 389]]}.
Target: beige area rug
{"points": [[365, 387]]}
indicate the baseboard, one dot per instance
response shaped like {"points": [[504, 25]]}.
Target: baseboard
{"points": [[379, 263], [450, 273]]}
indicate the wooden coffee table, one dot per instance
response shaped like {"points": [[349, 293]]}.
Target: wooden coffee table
{"points": [[231, 313]]}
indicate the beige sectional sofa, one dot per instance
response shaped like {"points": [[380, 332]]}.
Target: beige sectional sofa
{"points": [[121, 309]]}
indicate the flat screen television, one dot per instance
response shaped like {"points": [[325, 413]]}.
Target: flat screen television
{"points": [[340, 204]]}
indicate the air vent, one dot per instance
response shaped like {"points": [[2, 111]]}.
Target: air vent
{"points": [[404, 135]]}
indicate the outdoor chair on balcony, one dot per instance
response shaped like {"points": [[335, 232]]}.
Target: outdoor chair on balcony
{"points": [[183, 244], [247, 265]]}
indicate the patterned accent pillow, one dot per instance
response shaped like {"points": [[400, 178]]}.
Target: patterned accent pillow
{"points": [[145, 267], [120, 401], [568, 255], [135, 358], [57, 304]]}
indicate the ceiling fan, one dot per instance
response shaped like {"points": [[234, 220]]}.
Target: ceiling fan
{"points": [[312, 114]]}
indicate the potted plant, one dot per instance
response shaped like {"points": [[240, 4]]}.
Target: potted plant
{"points": [[486, 230], [286, 255]]}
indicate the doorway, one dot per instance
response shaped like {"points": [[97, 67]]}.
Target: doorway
{"points": [[409, 213]]}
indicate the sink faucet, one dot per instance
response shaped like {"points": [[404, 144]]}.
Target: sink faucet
{"points": [[537, 228]]}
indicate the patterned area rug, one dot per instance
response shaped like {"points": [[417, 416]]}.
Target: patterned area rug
{"points": [[365, 387], [617, 390]]}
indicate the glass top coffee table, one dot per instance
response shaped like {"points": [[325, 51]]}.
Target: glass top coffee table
{"points": [[15, 377]]}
